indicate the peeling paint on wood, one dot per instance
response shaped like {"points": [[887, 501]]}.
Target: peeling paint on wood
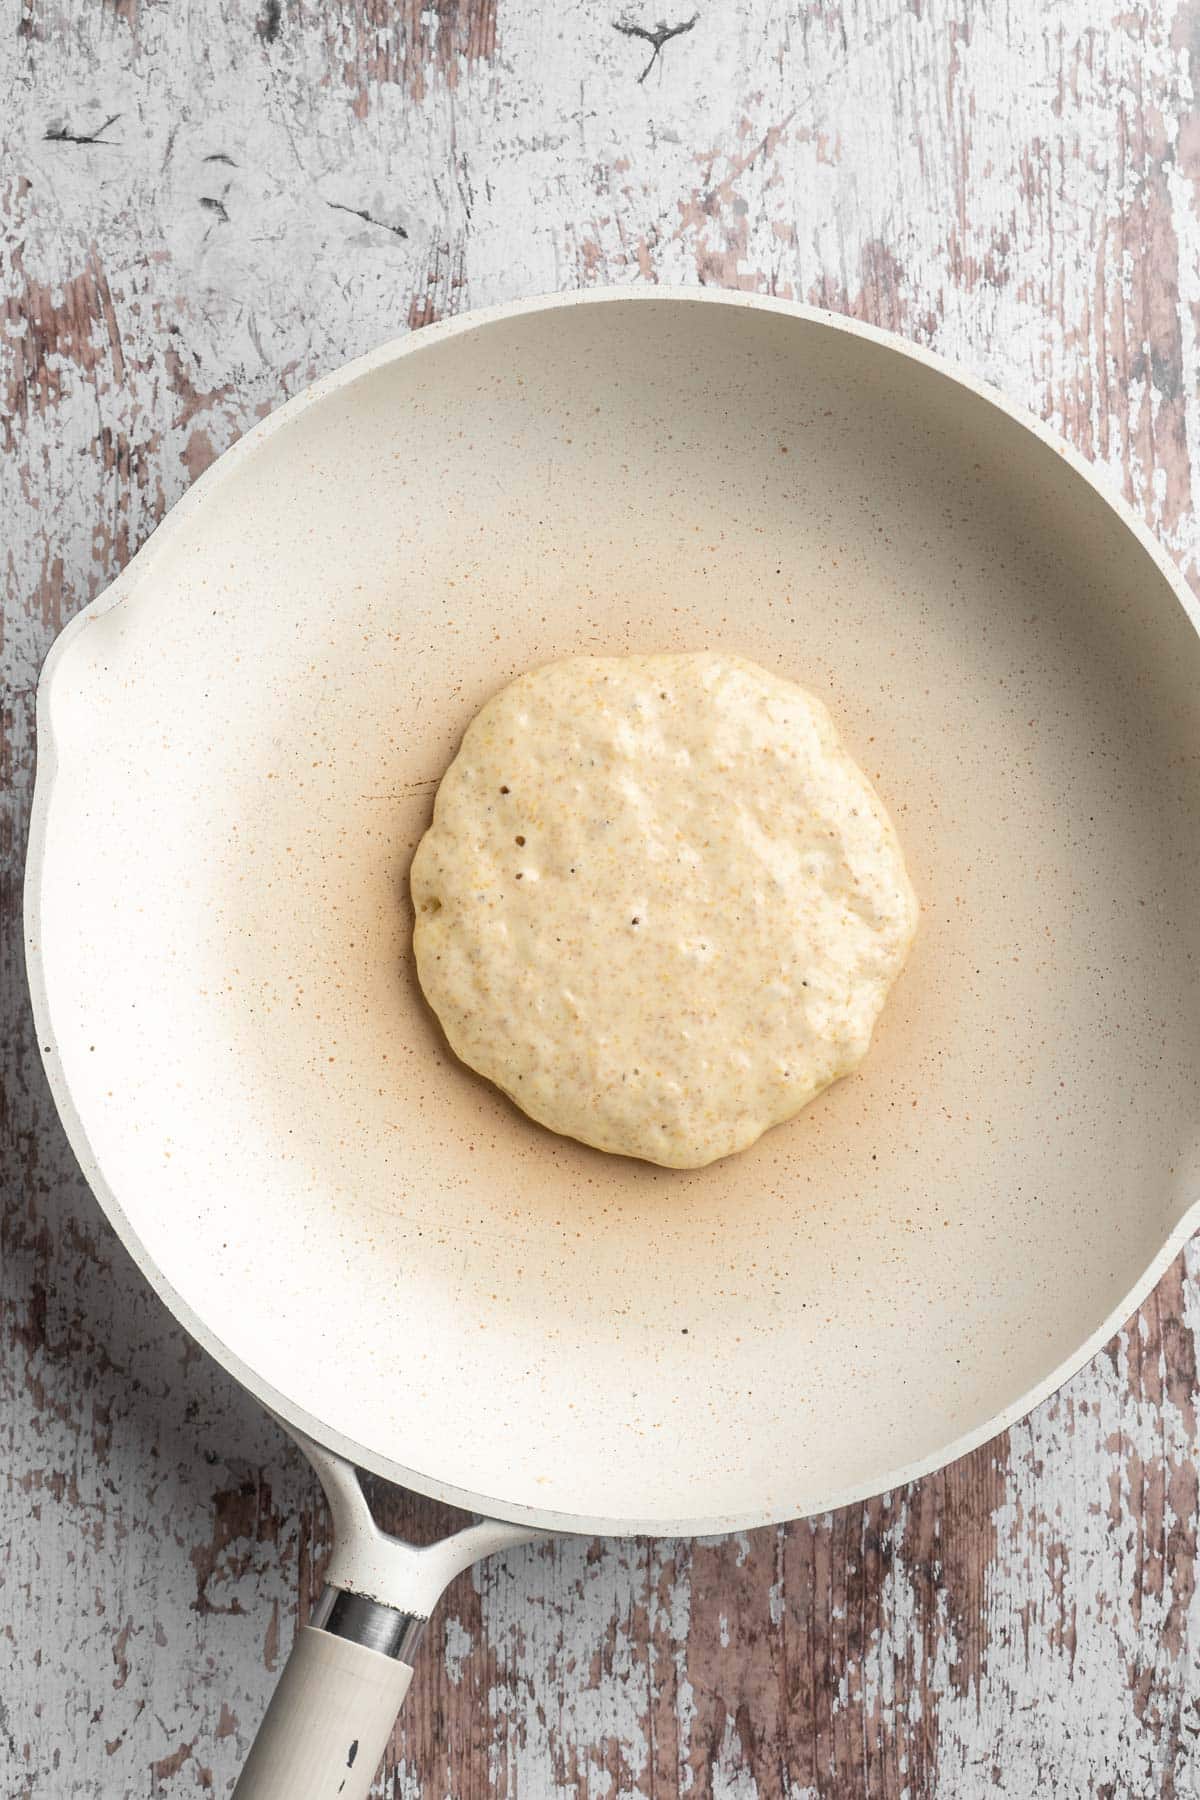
{"points": [[203, 212]]}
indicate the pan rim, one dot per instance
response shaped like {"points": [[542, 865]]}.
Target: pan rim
{"points": [[226, 466]]}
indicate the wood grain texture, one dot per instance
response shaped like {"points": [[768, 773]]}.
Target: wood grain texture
{"points": [[204, 207]]}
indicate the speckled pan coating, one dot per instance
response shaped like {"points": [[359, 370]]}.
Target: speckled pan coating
{"points": [[239, 745], [659, 906]]}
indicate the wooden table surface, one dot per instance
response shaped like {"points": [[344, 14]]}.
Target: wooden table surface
{"points": [[204, 207]]}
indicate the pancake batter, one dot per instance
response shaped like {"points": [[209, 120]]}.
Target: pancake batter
{"points": [[659, 905]]}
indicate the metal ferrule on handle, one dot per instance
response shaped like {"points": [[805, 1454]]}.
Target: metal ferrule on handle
{"points": [[369, 1623]]}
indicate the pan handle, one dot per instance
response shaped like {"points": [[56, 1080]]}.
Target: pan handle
{"points": [[328, 1722], [330, 1718]]}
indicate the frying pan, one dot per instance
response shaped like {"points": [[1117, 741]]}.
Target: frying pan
{"points": [[239, 743]]}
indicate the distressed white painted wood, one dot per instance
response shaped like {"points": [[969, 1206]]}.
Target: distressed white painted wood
{"points": [[204, 207]]}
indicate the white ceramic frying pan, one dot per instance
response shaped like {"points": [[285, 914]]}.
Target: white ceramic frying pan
{"points": [[239, 743]]}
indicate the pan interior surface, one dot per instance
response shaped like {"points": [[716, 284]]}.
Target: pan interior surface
{"points": [[248, 746]]}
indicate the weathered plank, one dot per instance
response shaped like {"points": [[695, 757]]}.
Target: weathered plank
{"points": [[203, 209]]}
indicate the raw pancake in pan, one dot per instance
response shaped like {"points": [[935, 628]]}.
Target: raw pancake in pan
{"points": [[659, 905]]}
